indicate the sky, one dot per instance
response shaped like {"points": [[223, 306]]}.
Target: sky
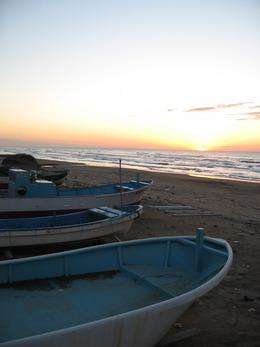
{"points": [[130, 74]]}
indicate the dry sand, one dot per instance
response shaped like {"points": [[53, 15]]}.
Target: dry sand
{"points": [[230, 314]]}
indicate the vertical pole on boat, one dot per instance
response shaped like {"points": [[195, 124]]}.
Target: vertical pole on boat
{"points": [[198, 248], [137, 179], [120, 178]]}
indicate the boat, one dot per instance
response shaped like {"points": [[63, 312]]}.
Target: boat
{"points": [[125, 294], [51, 174], [29, 197], [71, 227], [28, 162]]}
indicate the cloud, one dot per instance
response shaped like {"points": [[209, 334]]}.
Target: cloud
{"points": [[255, 114], [237, 114], [218, 107], [255, 107], [201, 109], [238, 104], [250, 116]]}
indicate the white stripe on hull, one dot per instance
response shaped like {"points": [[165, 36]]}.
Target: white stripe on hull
{"points": [[65, 234], [68, 202]]}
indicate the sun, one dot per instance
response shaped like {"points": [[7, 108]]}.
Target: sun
{"points": [[203, 132], [200, 148]]}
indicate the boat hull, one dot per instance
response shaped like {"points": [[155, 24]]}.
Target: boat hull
{"points": [[70, 233], [38, 206], [142, 329], [134, 292], [57, 178]]}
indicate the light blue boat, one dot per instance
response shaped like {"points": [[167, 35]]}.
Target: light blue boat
{"points": [[28, 197], [125, 294], [71, 227]]}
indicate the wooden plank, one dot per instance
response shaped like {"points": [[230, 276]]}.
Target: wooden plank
{"points": [[125, 187], [184, 210], [208, 214], [182, 335], [104, 212], [117, 238], [173, 207]]}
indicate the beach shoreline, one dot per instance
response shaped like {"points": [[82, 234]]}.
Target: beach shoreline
{"points": [[65, 163], [239, 166]]}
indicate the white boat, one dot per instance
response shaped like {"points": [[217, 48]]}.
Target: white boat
{"points": [[28, 197], [71, 227], [125, 294]]}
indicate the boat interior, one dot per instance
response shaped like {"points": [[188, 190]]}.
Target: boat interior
{"points": [[105, 189], [83, 286], [77, 218]]}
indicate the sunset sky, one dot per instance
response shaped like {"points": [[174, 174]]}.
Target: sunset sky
{"points": [[131, 74]]}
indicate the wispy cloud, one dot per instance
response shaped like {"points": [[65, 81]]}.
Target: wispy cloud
{"points": [[256, 107], [254, 114], [218, 107], [250, 116], [201, 109], [238, 104]]}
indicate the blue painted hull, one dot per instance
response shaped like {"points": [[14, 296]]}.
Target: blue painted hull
{"points": [[126, 294], [71, 227], [73, 200]]}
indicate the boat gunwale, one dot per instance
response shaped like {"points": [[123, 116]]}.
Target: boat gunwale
{"points": [[219, 241], [106, 220], [145, 185], [7, 206], [59, 196], [179, 300]]}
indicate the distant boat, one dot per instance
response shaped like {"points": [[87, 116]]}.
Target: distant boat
{"points": [[52, 174], [28, 197], [77, 226], [28, 162], [125, 294]]}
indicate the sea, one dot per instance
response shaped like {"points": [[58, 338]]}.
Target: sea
{"points": [[242, 166]]}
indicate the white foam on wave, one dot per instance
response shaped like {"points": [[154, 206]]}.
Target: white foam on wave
{"points": [[227, 165]]}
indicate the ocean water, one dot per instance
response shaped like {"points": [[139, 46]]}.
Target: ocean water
{"points": [[243, 166]]}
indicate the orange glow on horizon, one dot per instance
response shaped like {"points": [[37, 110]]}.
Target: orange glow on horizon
{"points": [[181, 131], [112, 141]]}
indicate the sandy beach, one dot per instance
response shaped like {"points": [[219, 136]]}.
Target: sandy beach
{"points": [[168, 89], [230, 314]]}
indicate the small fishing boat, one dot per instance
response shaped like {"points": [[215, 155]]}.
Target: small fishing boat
{"points": [[28, 197], [28, 162], [125, 294], [55, 175], [71, 227]]}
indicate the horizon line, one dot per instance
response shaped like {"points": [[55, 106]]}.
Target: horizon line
{"points": [[20, 145]]}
